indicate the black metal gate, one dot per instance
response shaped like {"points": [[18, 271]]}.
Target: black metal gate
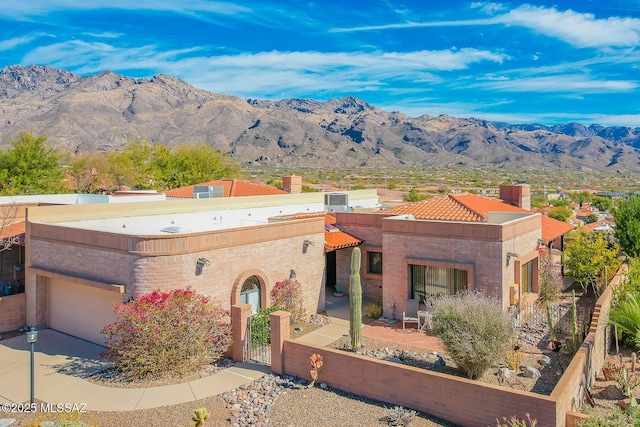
{"points": [[258, 339]]}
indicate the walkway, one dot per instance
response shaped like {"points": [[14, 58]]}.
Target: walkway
{"points": [[62, 361]]}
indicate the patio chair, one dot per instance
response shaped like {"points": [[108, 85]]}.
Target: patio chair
{"points": [[410, 313]]}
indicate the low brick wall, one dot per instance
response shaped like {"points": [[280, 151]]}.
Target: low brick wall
{"points": [[465, 402], [580, 375], [13, 312]]}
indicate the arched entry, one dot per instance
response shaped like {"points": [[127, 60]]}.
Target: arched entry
{"points": [[250, 293]]}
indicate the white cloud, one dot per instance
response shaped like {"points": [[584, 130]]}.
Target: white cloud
{"points": [[577, 83], [266, 73], [14, 42], [578, 29]]}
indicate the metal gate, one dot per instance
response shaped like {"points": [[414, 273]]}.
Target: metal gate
{"points": [[258, 339]]}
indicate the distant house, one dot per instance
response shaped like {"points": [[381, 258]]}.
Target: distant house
{"points": [[227, 188]]}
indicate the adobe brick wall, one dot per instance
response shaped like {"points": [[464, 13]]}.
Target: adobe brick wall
{"points": [[462, 401], [588, 361], [169, 262], [13, 312]]}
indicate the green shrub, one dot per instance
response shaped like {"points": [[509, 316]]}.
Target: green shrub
{"points": [[550, 278], [261, 327], [616, 418], [374, 310], [474, 330], [164, 333], [287, 294]]}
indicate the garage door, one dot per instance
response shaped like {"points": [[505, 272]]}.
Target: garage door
{"points": [[79, 310]]}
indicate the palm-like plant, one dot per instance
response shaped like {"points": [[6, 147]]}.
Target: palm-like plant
{"points": [[626, 316]]}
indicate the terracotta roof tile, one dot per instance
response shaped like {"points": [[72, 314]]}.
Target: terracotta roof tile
{"points": [[438, 208], [17, 229], [337, 239], [472, 208], [230, 188], [552, 228]]}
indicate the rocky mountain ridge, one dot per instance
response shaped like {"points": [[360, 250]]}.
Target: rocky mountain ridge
{"points": [[106, 110]]}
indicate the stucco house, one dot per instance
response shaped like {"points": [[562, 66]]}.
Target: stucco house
{"points": [[448, 244]]}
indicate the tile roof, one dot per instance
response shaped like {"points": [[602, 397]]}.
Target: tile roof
{"points": [[337, 239], [438, 208], [231, 188], [472, 208], [17, 229], [334, 237], [552, 228]]}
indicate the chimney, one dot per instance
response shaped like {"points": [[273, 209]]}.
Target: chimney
{"points": [[292, 184], [517, 195]]}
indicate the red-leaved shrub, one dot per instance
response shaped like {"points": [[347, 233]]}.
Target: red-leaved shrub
{"points": [[287, 294], [167, 333]]}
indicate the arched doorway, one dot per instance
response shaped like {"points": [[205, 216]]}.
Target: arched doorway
{"points": [[250, 293]]}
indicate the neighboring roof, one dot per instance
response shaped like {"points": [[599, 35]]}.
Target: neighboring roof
{"points": [[17, 229], [231, 188], [601, 225], [552, 228], [473, 208]]}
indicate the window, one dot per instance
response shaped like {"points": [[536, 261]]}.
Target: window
{"points": [[375, 262], [526, 278], [430, 281]]}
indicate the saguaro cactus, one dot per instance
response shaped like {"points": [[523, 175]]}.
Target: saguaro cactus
{"points": [[355, 299]]}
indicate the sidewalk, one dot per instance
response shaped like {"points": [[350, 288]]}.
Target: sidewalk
{"points": [[61, 361]]}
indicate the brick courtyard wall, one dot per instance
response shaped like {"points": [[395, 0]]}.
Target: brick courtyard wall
{"points": [[13, 312], [588, 361], [240, 314], [462, 401]]}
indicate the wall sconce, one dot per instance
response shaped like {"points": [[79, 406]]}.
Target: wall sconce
{"points": [[200, 264], [292, 274], [305, 245], [511, 255]]}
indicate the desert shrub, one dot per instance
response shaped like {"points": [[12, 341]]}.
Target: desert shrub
{"points": [[616, 418], [517, 422], [71, 419], [474, 330], [398, 416], [287, 294], [165, 333], [374, 310], [550, 278]]}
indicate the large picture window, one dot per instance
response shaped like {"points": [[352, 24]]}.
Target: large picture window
{"points": [[375, 262], [429, 281]]}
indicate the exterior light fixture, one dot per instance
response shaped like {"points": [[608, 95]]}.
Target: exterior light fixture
{"points": [[511, 255], [305, 245], [32, 337]]}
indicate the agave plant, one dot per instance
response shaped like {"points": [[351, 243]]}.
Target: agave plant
{"points": [[626, 316]]}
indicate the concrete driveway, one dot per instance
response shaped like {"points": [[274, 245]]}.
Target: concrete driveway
{"points": [[60, 361]]}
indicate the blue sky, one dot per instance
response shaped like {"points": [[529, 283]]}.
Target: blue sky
{"points": [[543, 62]]}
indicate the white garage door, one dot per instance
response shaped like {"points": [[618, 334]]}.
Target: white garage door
{"points": [[79, 310]]}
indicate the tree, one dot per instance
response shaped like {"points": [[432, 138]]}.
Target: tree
{"points": [[414, 196], [87, 173], [589, 258], [592, 218], [627, 216], [550, 277], [560, 213], [30, 167], [602, 203]]}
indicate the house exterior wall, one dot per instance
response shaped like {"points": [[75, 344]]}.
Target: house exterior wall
{"points": [[13, 312], [147, 263], [479, 248]]}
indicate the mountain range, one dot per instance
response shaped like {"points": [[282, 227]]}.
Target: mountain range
{"points": [[105, 111]]}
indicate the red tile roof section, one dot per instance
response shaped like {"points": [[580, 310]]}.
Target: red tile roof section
{"points": [[438, 208], [231, 188], [16, 229], [552, 228], [338, 240], [472, 208]]}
